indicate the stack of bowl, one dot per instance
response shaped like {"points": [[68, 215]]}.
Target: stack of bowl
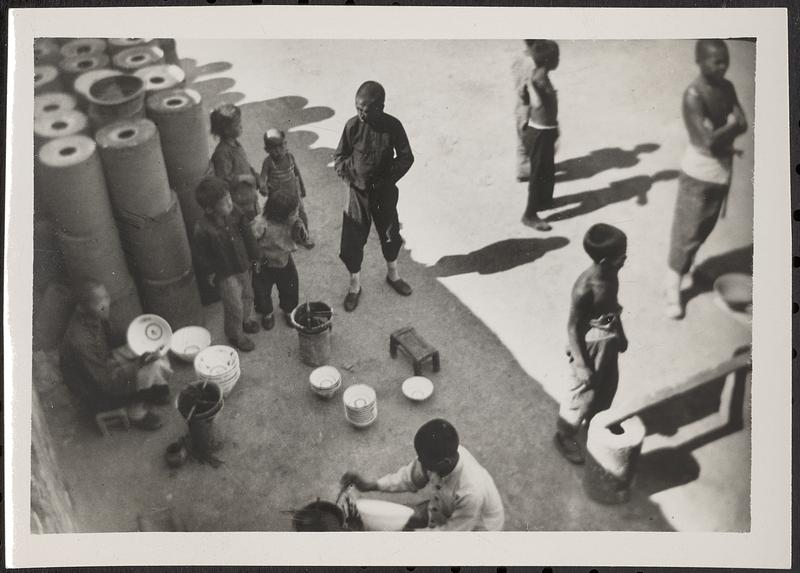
{"points": [[325, 381], [220, 365], [360, 405]]}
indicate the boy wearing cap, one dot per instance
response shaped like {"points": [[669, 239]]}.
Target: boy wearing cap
{"points": [[463, 494], [280, 174], [372, 156], [714, 119], [226, 248], [596, 337]]}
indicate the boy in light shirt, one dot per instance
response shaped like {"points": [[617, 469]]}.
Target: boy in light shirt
{"points": [[463, 496]]}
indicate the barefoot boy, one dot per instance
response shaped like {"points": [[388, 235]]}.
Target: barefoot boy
{"points": [[372, 156], [541, 132], [596, 337], [714, 119]]}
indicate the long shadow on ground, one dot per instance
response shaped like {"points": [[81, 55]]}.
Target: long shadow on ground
{"points": [[601, 160], [284, 447], [587, 202], [498, 257]]}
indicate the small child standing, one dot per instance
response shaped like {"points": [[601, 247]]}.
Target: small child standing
{"points": [[596, 337], [279, 174], [225, 247], [229, 160], [275, 266], [541, 132]]}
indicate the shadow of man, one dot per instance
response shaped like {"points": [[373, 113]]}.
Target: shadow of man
{"points": [[498, 257], [617, 191], [601, 160]]}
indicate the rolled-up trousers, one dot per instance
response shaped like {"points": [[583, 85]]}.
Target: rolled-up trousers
{"points": [[364, 207], [697, 209]]}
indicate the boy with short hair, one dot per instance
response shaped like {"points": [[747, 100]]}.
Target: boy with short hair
{"points": [[714, 119], [106, 378], [372, 156], [226, 248], [464, 495], [596, 337], [541, 132]]}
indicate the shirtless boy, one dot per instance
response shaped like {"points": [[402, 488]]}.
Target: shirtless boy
{"points": [[714, 119], [596, 337]]}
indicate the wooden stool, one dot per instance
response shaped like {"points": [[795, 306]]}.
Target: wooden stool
{"points": [[109, 418], [415, 347]]}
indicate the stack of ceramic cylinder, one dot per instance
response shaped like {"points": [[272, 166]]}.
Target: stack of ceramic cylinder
{"points": [[150, 220], [183, 125], [77, 204]]}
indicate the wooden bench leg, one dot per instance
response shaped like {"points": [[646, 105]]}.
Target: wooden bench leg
{"points": [[392, 347], [417, 368], [436, 361]]}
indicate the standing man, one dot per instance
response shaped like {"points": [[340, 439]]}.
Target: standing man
{"points": [[372, 156], [521, 69], [714, 119]]}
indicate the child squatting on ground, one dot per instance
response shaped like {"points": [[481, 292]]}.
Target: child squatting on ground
{"points": [[275, 266], [540, 132], [372, 156], [106, 378], [229, 161], [224, 244], [280, 174], [714, 119], [596, 337], [463, 496]]}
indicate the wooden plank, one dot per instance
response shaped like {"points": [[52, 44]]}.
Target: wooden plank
{"points": [[740, 362]]}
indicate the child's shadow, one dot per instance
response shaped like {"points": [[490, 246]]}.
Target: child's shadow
{"points": [[601, 160], [498, 257], [617, 191], [213, 91]]}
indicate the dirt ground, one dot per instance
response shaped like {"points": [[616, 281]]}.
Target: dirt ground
{"points": [[489, 293]]}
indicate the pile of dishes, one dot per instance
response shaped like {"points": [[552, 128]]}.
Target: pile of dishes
{"points": [[149, 333], [220, 365], [325, 381], [360, 405]]}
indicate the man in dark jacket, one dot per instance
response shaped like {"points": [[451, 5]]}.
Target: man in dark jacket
{"points": [[372, 156]]}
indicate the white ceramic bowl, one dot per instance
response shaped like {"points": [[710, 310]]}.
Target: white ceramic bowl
{"points": [[325, 381], [149, 333], [216, 361], [189, 341], [417, 388], [379, 515]]}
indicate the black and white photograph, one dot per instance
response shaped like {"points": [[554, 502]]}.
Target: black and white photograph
{"points": [[284, 280]]}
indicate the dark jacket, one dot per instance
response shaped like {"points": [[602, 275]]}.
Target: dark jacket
{"points": [[224, 249], [375, 155]]}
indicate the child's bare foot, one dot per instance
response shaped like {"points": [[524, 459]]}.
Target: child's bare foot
{"points": [[308, 243], [536, 223], [674, 307]]}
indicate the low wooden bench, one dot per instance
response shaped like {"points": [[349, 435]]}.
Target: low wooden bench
{"points": [[106, 420], [415, 347]]}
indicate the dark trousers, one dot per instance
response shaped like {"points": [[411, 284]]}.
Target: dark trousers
{"points": [[697, 209], [379, 205], [541, 144], [287, 282]]}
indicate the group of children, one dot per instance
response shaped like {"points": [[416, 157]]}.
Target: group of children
{"points": [[252, 225]]}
